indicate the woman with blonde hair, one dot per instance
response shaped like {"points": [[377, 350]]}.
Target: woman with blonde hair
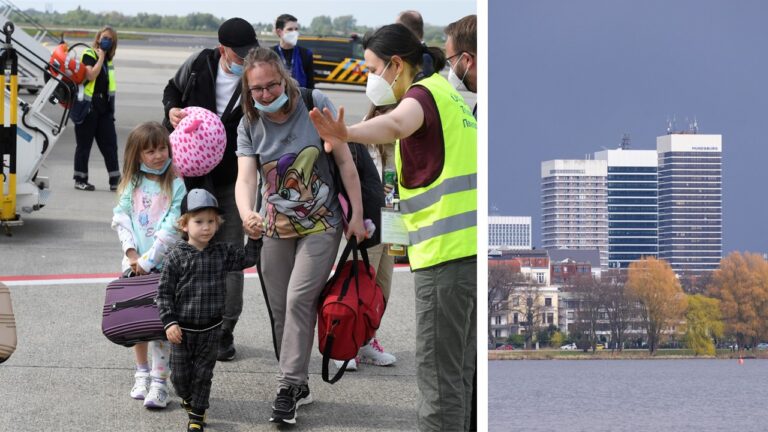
{"points": [[300, 216], [99, 124]]}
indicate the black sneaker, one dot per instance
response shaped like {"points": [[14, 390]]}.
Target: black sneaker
{"points": [[304, 397], [84, 186], [284, 408], [113, 188], [196, 422], [227, 353], [188, 408], [195, 426]]}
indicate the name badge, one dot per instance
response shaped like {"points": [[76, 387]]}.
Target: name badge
{"points": [[393, 230]]}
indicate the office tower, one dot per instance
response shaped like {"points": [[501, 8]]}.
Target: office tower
{"points": [[509, 232], [690, 201], [573, 206], [632, 204]]}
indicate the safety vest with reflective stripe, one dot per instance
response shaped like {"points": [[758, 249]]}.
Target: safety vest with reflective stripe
{"points": [[441, 218], [91, 85]]}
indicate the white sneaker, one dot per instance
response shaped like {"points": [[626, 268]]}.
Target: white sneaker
{"points": [[140, 385], [157, 397], [351, 366], [373, 353]]}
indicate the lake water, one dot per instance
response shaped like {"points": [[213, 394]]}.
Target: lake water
{"points": [[627, 395]]}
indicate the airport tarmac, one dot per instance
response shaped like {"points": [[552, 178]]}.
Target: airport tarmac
{"points": [[65, 375]]}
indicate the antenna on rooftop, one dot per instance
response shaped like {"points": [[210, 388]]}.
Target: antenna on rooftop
{"points": [[626, 142], [669, 126], [695, 125]]}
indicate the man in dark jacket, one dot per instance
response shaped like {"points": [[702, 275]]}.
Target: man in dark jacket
{"points": [[211, 79]]}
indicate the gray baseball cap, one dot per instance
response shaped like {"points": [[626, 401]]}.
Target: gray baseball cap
{"points": [[199, 199]]}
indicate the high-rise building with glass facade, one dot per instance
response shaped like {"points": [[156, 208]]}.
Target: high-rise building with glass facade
{"points": [[573, 205], [690, 201], [509, 232], [632, 205]]}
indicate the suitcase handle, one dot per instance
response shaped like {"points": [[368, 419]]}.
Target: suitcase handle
{"points": [[136, 302]]}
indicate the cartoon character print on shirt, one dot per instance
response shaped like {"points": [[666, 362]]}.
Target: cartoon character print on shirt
{"points": [[296, 195], [150, 206]]}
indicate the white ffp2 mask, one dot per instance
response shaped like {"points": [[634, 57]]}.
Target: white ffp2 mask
{"points": [[379, 91], [291, 38]]}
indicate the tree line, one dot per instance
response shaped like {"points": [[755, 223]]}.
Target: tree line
{"points": [[648, 299], [325, 25]]}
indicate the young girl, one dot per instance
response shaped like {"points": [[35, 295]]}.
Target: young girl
{"points": [[149, 203]]}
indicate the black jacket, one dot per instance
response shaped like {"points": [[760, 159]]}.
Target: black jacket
{"points": [[193, 285], [195, 85]]}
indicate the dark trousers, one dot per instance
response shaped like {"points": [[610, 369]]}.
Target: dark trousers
{"points": [[231, 231], [99, 125], [192, 363], [446, 345]]}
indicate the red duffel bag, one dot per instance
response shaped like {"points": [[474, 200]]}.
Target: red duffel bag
{"points": [[349, 311]]}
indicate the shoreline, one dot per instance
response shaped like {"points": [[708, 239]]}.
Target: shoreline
{"points": [[623, 355]]}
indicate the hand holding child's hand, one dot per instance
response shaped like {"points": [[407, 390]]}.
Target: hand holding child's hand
{"points": [[253, 225], [173, 333]]}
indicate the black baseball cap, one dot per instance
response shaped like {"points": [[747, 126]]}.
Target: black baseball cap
{"points": [[199, 199], [239, 35]]}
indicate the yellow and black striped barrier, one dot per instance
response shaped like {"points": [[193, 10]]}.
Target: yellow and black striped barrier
{"points": [[8, 60], [347, 71]]}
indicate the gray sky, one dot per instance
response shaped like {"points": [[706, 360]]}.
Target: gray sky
{"points": [[568, 78], [367, 12]]}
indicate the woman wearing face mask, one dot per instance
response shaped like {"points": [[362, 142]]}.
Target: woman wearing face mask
{"points": [[436, 162], [99, 87], [300, 215], [297, 59]]}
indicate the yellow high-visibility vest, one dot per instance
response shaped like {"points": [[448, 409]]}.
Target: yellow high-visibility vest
{"points": [[91, 85], [441, 217]]}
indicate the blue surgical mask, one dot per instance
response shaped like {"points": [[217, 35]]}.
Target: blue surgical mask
{"points": [[236, 69], [160, 171], [274, 106], [105, 44]]}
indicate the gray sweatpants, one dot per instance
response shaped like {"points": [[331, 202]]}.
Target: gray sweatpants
{"points": [[295, 272], [446, 349]]}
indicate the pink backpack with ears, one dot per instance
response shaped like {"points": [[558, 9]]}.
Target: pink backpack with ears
{"points": [[198, 142]]}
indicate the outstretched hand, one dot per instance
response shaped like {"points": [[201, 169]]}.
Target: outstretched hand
{"points": [[332, 131]]}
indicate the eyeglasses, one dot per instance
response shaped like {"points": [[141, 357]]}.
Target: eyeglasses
{"points": [[271, 87], [448, 59]]}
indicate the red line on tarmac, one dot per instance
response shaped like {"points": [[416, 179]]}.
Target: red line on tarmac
{"points": [[94, 278]]}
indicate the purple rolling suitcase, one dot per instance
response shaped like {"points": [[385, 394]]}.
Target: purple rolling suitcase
{"points": [[130, 313]]}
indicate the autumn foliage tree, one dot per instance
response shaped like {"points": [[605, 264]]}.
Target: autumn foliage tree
{"points": [[741, 285], [703, 323], [653, 283]]}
